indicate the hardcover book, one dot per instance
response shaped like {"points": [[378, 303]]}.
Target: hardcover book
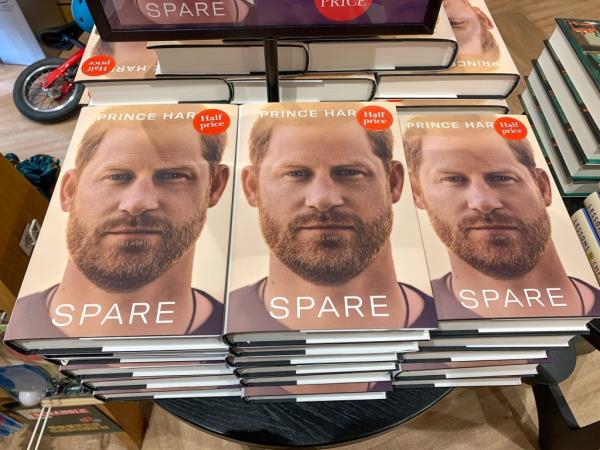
{"points": [[218, 57], [567, 186], [455, 105], [323, 392], [577, 113], [125, 73], [576, 44], [498, 239], [323, 87], [483, 67], [136, 235], [325, 235], [386, 53]]}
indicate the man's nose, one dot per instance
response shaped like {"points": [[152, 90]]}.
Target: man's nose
{"points": [[482, 197], [139, 197], [323, 193]]}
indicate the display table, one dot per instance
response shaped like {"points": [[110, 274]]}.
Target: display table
{"points": [[302, 424]]}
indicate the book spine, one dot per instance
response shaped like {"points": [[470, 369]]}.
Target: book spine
{"points": [[592, 206], [588, 237]]}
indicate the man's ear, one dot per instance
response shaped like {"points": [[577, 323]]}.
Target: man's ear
{"points": [[218, 185], [417, 192], [68, 188], [250, 184], [484, 20], [544, 185], [396, 180]]}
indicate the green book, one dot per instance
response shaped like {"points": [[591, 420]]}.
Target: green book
{"points": [[584, 37]]}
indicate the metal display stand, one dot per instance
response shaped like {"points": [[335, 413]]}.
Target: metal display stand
{"points": [[272, 69]]}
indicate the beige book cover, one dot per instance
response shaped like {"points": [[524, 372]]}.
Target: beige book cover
{"points": [[325, 234], [498, 239], [135, 240]]}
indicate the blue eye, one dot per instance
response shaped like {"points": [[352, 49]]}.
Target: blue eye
{"points": [[170, 175], [120, 177], [500, 178], [455, 179], [348, 172], [296, 173]]}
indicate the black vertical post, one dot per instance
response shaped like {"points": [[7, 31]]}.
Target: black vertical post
{"points": [[272, 70]]}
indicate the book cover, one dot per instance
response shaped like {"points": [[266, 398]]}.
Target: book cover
{"points": [[592, 206], [497, 237], [584, 37], [325, 235], [134, 241]]}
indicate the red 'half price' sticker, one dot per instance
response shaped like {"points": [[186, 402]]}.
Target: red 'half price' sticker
{"points": [[375, 118], [211, 121], [343, 10], [98, 65], [510, 128]]}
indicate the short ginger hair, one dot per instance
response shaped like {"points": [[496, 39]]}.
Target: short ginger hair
{"points": [[382, 142]]}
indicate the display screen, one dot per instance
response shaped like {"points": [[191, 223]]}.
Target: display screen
{"points": [[188, 19]]}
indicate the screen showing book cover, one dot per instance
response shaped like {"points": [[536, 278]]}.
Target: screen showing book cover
{"points": [[103, 61], [325, 234], [176, 14], [481, 48], [134, 241], [497, 236]]}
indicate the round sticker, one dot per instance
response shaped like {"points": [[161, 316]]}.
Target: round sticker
{"points": [[98, 65], [343, 10], [375, 118], [510, 128], [211, 121]]}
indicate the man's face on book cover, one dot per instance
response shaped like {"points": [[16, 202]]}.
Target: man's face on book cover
{"points": [[469, 24], [486, 206], [324, 200], [137, 205]]}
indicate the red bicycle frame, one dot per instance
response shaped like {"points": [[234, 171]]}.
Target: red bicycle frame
{"points": [[60, 71]]}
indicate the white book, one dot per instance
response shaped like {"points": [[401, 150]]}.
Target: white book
{"points": [[404, 52], [211, 57]]}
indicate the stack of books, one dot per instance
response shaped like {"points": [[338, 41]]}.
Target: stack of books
{"points": [[301, 252], [463, 66], [563, 101], [125, 287], [508, 277]]}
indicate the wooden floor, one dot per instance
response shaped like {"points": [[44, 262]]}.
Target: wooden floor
{"points": [[483, 418]]}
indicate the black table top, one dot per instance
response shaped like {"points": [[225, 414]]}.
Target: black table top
{"points": [[302, 424]]}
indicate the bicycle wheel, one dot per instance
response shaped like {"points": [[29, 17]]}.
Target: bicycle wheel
{"points": [[46, 105]]}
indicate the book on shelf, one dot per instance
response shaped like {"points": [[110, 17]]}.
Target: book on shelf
{"points": [[588, 235], [218, 57], [385, 53], [324, 87], [567, 185], [483, 67], [323, 392], [460, 382], [571, 103], [454, 105], [569, 152], [125, 73], [576, 44], [592, 207], [500, 249]]}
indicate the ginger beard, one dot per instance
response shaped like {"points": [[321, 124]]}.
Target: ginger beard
{"points": [[133, 262], [499, 255], [328, 259]]}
